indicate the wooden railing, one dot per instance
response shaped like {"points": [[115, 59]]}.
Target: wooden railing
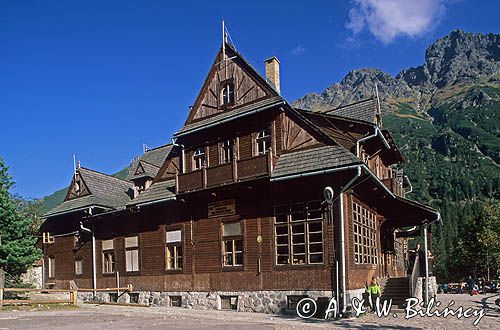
{"points": [[72, 298], [238, 170], [395, 185]]}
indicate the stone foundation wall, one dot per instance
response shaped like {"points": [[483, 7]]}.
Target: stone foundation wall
{"points": [[419, 290], [247, 301]]}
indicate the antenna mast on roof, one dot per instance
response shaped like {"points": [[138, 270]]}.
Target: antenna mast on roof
{"points": [[378, 100], [224, 39], [144, 148]]}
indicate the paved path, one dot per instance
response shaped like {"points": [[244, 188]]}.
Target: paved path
{"points": [[117, 317]]}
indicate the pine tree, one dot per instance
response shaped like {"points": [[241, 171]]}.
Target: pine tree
{"points": [[17, 245]]}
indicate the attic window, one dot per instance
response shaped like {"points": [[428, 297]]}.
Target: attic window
{"points": [[228, 94]]}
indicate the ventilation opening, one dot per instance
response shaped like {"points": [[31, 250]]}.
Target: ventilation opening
{"points": [[229, 302], [134, 298], [175, 301], [113, 297]]}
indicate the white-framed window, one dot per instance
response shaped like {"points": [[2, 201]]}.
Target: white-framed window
{"points": [[227, 93], [263, 141], [174, 249], [299, 233], [365, 235], [227, 152], [108, 257], [132, 254], [199, 158], [78, 266], [232, 237], [52, 267]]}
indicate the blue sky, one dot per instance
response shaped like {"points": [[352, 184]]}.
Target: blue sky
{"points": [[100, 78]]}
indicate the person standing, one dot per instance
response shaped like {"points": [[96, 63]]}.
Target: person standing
{"points": [[471, 284], [374, 290]]}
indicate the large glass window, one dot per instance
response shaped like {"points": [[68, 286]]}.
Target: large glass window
{"points": [[263, 142], [299, 233], [174, 249], [108, 257], [365, 234], [132, 254], [199, 158], [232, 244]]}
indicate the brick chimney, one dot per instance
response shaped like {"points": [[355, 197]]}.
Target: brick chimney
{"points": [[273, 72]]}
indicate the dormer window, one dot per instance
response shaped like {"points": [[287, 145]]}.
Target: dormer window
{"points": [[263, 141], [227, 94], [199, 158]]}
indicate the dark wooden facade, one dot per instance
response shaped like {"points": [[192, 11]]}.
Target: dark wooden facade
{"points": [[245, 179]]}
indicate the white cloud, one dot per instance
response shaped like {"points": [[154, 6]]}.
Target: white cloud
{"points": [[299, 50], [389, 19]]}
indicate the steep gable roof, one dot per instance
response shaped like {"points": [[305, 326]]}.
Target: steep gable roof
{"points": [[149, 163], [103, 190], [364, 110]]}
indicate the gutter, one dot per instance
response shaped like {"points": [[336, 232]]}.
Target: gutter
{"points": [[155, 202], [342, 237], [225, 120], [376, 132], [409, 183], [174, 143], [332, 170]]}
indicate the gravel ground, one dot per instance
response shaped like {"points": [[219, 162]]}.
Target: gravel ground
{"points": [[118, 317]]}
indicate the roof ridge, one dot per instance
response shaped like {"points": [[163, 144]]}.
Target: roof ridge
{"points": [[143, 161], [159, 147], [337, 116], [349, 104], [101, 173]]}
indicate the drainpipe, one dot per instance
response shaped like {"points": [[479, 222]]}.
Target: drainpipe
{"points": [[426, 259], [182, 153], [376, 132], [342, 237], [94, 269]]}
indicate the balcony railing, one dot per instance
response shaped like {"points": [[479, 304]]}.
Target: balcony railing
{"points": [[236, 171], [395, 185]]}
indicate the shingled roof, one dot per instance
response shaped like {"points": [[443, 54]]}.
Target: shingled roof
{"points": [[149, 163], [313, 159], [104, 190], [365, 110], [230, 115], [157, 191]]}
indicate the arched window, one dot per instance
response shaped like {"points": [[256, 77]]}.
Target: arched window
{"points": [[227, 94]]}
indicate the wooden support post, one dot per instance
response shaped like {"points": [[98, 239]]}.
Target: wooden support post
{"points": [[74, 296], [1, 297]]}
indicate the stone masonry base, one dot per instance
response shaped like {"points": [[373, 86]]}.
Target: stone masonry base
{"points": [[244, 301]]}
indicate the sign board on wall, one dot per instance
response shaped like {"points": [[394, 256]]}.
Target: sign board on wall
{"points": [[221, 208]]}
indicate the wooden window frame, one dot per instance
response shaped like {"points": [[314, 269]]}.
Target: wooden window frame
{"points": [[233, 239], [133, 248], [364, 235], [226, 146], [51, 267], [266, 140], [199, 156], [78, 260], [288, 237], [176, 247], [230, 101], [108, 252]]}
